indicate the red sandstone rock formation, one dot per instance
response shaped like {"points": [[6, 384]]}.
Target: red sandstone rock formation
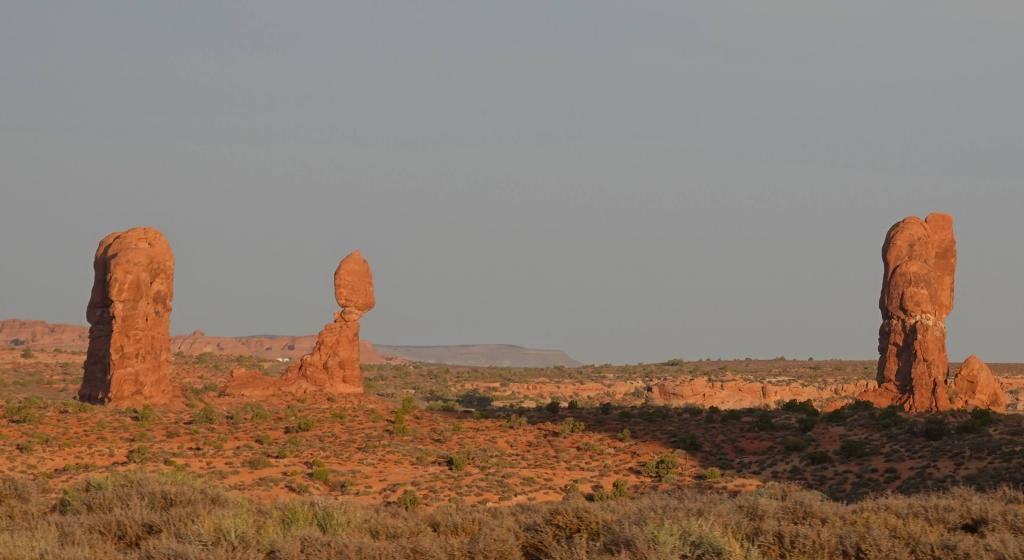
{"points": [[333, 364], [742, 393], [128, 359], [40, 335], [917, 295], [974, 386]]}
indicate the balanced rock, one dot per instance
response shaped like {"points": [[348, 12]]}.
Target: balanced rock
{"points": [[919, 259], [129, 313], [974, 386], [333, 364]]}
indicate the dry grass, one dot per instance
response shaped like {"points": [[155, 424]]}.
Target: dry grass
{"points": [[171, 515]]}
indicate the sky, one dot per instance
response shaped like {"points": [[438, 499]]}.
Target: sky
{"points": [[626, 181]]}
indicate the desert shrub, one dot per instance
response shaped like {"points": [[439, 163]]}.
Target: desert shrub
{"points": [[606, 408], [399, 427], [854, 449], [27, 354], [712, 473], [817, 457], [664, 467], [859, 406], [302, 424], [806, 408], [516, 421], [140, 454], [625, 434], [28, 410], [806, 423], [457, 462], [259, 461], [71, 406], [620, 488], [693, 410], [143, 415], [732, 416], [889, 417], [836, 416], [573, 405], [407, 406], [256, 412], [553, 406], [288, 448], [984, 416], [794, 444], [935, 429], [687, 442], [320, 473], [409, 500], [763, 422], [476, 400], [172, 515], [206, 415], [570, 425]]}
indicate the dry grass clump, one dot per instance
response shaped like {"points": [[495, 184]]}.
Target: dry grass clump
{"points": [[175, 516]]}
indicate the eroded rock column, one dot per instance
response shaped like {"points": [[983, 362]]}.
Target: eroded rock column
{"points": [[129, 314], [919, 258]]}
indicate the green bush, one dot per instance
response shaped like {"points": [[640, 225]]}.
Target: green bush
{"points": [[140, 454], [794, 444], [409, 500], [206, 415], [516, 421], [854, 449], [664, 467], [457, 462], [28, 410], [806, 423], [688, 442], [143, 415], [817, 457], [302, 424], [806, 408], [570, 425]]}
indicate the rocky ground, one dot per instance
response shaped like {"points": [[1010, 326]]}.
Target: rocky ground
{"points": [[495, 436]]}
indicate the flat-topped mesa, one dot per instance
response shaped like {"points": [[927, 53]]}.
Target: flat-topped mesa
{"points": [[129, 313], [919, 259], [333, 364]]}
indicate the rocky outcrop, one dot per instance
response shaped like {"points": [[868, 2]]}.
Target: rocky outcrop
{"points": [[333, 364], [919, 259], [974, 386], [40, 335], [742, 393], [129, 313]]}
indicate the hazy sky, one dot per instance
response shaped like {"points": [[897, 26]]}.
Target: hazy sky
{"points": [[627, 181]]}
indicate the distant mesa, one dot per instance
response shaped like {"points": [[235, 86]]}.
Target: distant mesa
{"points": [[75, 338], [481, 355], [129, 312], [919, 258]]}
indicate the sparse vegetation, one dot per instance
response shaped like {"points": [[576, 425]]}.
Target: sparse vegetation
{"points": [[100, 519]]}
